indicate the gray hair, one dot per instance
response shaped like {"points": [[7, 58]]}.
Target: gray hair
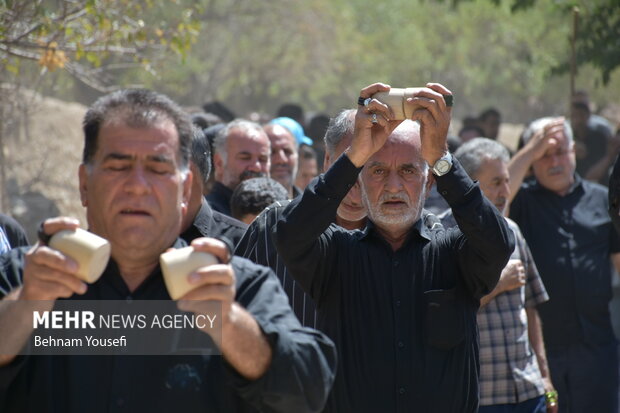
{"points": [[338, 127], [471, 154], [539, 124], [219, 143]]}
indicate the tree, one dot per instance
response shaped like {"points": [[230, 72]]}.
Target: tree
{"points": [[598, 39], [90, 40]]}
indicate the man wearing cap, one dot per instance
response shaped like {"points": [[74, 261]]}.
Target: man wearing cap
{"points": [[295, 128], [241, 150], [284, 156], [135, 183]]}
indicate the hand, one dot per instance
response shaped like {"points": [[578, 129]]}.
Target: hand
{"points": [[512, 277], [546, 138], [214, 283], [49, 274], [551, 408], [369, 137], [434, 117]]}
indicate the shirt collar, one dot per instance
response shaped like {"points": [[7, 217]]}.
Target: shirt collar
{"points": [[204, 219], [576, 185]]}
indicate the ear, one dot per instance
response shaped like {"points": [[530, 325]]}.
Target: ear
{"points": [[83, 178], [326, 162], [187, 191], [218, 166]]}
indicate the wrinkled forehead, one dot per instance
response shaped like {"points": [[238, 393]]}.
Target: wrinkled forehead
{"points": [[402, 146]]}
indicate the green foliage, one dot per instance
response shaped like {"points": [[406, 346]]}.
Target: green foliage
{"points": [[255, 55], [83, 36]]}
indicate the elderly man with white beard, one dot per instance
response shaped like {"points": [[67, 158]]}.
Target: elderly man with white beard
{"points": [[400, 297]]}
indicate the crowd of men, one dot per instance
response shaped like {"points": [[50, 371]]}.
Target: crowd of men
{"points": [[342, 292]]}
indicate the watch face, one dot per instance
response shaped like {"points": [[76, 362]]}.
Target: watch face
{"points": [[442, 166]]}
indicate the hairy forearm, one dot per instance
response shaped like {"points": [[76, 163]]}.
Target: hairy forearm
{"points": [[244, 345]]}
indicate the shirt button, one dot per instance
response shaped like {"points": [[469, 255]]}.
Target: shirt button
{"points": [[397, 303], [401, 390], [401, 344], [396, 263], [129, 298], [120, 402]]}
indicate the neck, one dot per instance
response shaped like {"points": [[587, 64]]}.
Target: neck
{"points": [[134, 271], [394, 236], [350, 225], [192, 210]]}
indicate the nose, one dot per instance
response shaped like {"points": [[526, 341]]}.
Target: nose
{"points": [[278, 157], [505, 190], [137, 181], [393, 183], [254, 166]]}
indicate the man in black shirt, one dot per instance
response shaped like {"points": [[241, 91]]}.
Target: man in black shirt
{"points": [[201, 220], [257, 243], [399, 299], [135, 183], [240, 151], [565, 222]]}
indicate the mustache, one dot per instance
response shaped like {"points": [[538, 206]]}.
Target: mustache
{"points": [[401, 196], [555, 170], [251, 174]]}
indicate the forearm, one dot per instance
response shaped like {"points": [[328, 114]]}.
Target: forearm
{"points": [[486, 241], [490, 296], [534, 330], [303, 238], [244, 345], [518, 167], [599, 169]]}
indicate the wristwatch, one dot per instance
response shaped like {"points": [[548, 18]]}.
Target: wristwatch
{"points": [[443, 165]]}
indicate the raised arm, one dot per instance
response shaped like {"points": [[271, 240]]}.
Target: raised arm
{"points": [[304, 238], [533, 150]]}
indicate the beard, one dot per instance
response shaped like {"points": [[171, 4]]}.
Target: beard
{"points": [[245, 175], [385, 218]]}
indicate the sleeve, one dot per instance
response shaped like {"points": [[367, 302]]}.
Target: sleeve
{"points": [[15, 233], [614, 195], [11, 270], [485, 241], [535, 291], [303, 364], [304, 238], [257, 244]]}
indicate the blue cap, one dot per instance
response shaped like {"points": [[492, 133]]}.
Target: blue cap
{"points": [[295, 128]]}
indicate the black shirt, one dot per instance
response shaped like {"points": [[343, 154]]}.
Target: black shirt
{"points": [[15, 234], [593, 148], [210, 223], [219, 198], [404, 322], [571, 238], [297, 380], [257, 245]]}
